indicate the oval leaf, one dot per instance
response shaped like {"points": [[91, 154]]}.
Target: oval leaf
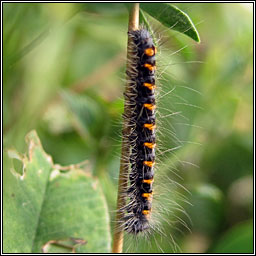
{"points": [[172, 17]]}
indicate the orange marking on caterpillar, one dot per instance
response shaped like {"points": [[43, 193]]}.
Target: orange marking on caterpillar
{"points": [[148, 196], [145, 212], [149, 145], [149, 106], [150, 126], [150, 51], [149, 86], [149, 163], [150, 67], [148, 181]]}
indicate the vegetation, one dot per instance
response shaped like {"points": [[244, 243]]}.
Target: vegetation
{"points": [[63, 72]]}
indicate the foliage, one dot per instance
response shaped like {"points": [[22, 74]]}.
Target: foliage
{"points": [[38, 210], [62, 76], [172, 17]]}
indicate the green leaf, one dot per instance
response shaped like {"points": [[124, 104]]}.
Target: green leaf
{"points": [[47, 209], [238, 239], [172, 17]]}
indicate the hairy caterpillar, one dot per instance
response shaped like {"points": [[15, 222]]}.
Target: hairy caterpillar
{"points": [[142, 136], [144, 216]]}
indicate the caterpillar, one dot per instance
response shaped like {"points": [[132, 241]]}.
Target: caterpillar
{"points": [[144, 216], [142, 136]]}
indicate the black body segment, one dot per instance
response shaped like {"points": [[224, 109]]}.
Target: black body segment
{"points": [[142, 136]]}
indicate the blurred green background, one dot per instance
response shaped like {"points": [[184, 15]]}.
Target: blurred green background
{"points": [[63, 75]]}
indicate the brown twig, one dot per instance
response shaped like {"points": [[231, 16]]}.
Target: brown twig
{"points": [[124, 168]]}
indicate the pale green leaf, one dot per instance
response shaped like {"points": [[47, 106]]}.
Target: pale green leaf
{"points": [[45, 206]]}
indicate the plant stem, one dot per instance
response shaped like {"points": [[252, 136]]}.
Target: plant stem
{"points": [[124, 167]]}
